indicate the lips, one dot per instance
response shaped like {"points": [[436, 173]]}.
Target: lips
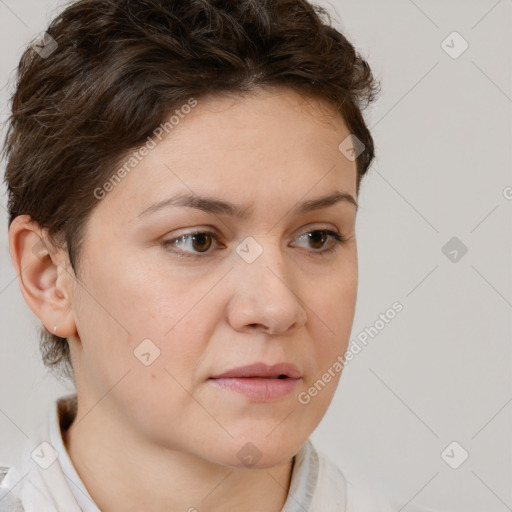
{"points": [[260, 382], [261, 370]]}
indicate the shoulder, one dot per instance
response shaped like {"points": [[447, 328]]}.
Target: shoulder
{"points": [[34, 481], [9, 501]]}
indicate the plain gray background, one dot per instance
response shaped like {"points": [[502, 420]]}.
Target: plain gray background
{"points": [[440, 371]]}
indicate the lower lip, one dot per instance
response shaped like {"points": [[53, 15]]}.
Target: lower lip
{"points": [[258, 388]]}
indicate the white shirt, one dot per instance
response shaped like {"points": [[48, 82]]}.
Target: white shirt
{"points": [[47, 481]]}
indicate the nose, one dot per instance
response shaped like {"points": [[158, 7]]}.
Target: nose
{"points": [[265, 297]]}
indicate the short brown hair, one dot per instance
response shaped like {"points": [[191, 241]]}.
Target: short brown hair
{"points": [[121, 67]]}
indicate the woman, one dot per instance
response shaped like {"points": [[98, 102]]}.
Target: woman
{"points": [[183, 180]]}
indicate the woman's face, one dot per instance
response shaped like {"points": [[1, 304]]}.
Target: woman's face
{"points": [[159, 312]]}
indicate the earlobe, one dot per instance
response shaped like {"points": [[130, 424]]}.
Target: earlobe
{"points": [[38, 264]]}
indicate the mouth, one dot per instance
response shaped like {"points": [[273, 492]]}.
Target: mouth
{"points": [[260, 382]]}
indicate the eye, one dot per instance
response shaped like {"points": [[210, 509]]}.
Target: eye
{"points": [[319, 237], [199, 241]]}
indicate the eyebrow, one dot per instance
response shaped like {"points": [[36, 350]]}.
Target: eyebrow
{"points": [[220, 207]]}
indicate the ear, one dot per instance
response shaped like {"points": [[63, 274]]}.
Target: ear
{"points": [[44, 275]]}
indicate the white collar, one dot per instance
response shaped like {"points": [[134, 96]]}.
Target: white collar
{"points": [[63, 413]]}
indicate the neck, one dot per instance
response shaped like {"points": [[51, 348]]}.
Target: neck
{"points": [[123, 472]]}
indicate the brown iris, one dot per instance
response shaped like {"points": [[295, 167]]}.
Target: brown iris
{"points": [[202, 242], [317, 236]]}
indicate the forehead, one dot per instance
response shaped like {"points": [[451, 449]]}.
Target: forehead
{"points": [[271, 143], [266, 108]]}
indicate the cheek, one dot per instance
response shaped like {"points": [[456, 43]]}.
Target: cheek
{"points": [[140, 299], [132, 314], [331, 318], [332, 307]]}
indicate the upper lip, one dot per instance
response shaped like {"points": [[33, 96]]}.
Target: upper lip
{"points": [[262, 370]]}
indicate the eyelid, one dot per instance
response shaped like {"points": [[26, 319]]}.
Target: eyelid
{"points": [[314, 227]]}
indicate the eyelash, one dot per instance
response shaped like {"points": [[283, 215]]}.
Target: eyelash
{"points": [[338, 239]]}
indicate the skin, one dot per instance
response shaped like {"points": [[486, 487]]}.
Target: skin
{"points": [[163, 437]]}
